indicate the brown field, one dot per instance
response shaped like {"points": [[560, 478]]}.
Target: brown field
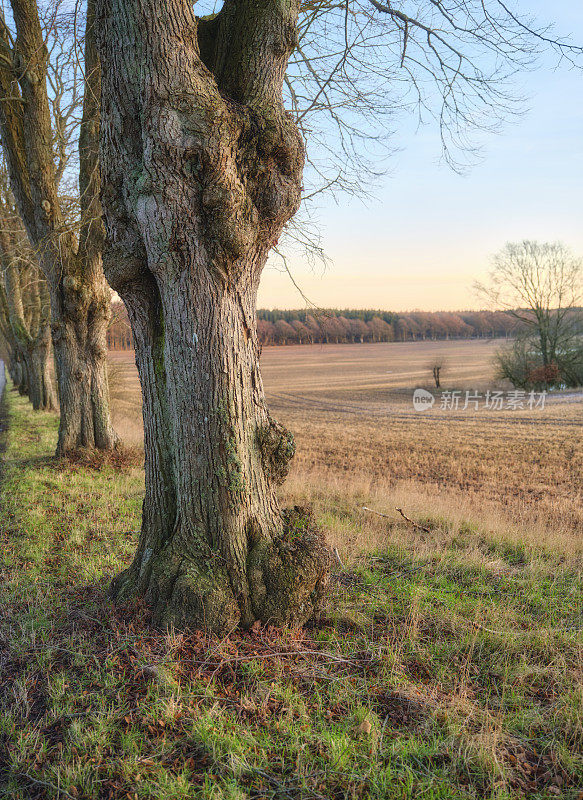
{"points": [[358, 437]]}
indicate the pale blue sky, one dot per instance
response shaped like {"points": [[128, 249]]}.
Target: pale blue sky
{"points": [[429, 233]]}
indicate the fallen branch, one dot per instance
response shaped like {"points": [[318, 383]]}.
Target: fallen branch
{"points": [[405, 517], [411, 522], [337, 554], [46, 784], [378, 513], [522, 631], [227, 661]]}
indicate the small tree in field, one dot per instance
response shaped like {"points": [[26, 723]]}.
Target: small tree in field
{"points": [[437, 368], [540, 286], [202, 168]]}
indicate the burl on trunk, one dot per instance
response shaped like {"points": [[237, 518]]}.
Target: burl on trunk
{"points": [[201, 169]]}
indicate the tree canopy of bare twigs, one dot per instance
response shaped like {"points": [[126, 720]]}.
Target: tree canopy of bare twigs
{"points": [[541, 286], [359, 62], [361, 66]]}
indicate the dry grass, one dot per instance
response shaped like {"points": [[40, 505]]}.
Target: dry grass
{"points": [[349, 407], [447, 665], [122, 458]]}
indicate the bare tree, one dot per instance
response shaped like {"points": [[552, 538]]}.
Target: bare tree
{"points": [[539, 285], [39, 105], [25, 306], [11, 346], [202, 169], [437, 368]]}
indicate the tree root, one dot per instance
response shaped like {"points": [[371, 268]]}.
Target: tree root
{"points": [[288, 577]]}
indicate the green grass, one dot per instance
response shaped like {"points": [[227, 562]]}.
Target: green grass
{"points": [[452, 674]]}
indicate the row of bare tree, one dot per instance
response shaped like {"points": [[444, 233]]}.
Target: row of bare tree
{"points": [[53, 286], [341, 327], [24, 308]]}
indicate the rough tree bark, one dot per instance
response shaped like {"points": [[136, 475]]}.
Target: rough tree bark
{"points": [[79, 296], [28, 320], [25, 306], [15, 366], [201, 169]]}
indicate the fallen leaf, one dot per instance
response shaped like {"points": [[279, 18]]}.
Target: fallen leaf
{"points": [[364, 728]]}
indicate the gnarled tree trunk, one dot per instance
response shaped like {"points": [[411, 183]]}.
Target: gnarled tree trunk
{"points": [[40, 388], [18, 372], [201, 170], [79, 320]]}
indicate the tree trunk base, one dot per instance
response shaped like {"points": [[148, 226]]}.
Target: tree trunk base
{"points": [[287, 578]]}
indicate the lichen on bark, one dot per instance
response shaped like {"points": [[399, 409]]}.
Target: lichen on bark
{"points": [[289, 575], [277, 447]]}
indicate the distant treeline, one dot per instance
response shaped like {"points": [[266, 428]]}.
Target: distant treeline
{"points": [[344, 326], [334, 326]]}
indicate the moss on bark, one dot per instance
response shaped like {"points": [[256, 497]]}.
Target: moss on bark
{"points": [[287, 576]]}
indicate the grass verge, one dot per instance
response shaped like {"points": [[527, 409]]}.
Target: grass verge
{"points": [[448, 664]]}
